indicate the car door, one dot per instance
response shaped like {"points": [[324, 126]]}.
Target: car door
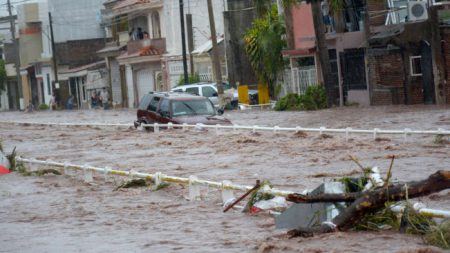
{"points": [[164, 111], [211, 93], [151, 114]]}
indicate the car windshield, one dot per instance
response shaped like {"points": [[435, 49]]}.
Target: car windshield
{"points": [[192, 107]]}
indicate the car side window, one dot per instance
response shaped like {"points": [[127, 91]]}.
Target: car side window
{"points": [[164, 107], [178, 90], [144, 102], [193, 90], [208, 91], [153, 104]]}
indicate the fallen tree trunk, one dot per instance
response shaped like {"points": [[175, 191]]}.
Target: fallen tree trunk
{"points": [[373, 200], [326, 197]]}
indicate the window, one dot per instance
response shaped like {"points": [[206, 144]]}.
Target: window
{"points": [[154, 104], [192, 107], [165, 106], [415, 65], [145, 100], [193, 90], [208, 91], [177, 90]]}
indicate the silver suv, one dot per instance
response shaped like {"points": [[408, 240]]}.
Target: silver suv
{"points": [[209, 90]]}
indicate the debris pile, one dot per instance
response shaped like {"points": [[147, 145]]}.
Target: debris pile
{"points": [[369, 203]]}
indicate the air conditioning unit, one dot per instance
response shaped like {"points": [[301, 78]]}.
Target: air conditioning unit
{"points": [[417, 11]]}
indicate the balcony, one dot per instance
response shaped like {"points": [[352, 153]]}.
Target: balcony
{"points": [[134, 46]]}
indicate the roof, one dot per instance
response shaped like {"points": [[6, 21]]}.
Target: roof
{"points": [[128, 6], [126, 3], [206, 47], [146, 51], [109, 49]]}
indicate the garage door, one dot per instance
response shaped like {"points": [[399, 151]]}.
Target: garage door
{"points": [[145, 82]]}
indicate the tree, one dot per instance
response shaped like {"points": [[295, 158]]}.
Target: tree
{"points": [[263, 44]]}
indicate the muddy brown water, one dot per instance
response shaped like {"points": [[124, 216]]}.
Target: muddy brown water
{"points": [[61, 213]]}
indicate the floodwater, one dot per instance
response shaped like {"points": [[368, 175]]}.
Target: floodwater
{"points": [[62, 213]]}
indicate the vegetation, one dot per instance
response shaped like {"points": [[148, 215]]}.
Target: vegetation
{"points": [[192, 79], [263, 44], [43, 107], [315, 98]]}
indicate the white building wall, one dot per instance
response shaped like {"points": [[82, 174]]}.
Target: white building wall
{"points": [[76, 20], [45, 24], [4, 104], [130, 86], [200, 22], [47, 78]]}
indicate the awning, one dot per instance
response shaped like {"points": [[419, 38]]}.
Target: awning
{"points": [[206, 47], [82, 70], [299, 52]]}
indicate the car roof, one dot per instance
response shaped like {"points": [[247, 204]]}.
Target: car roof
{"points": [[176, 95], [194, 85]]}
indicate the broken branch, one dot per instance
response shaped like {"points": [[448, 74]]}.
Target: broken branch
{"points": [[374, 200]]}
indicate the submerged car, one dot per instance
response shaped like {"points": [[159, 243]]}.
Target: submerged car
{"points": [[210, 91], [178, 108]]}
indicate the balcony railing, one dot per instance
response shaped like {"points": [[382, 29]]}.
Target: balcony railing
{"points": [[135, 45]]}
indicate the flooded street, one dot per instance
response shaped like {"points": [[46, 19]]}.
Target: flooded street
{"points": [[62, 213]]}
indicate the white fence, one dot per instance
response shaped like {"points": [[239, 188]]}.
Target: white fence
{"points": [[376, 132], [194, 191], [157, 178]]}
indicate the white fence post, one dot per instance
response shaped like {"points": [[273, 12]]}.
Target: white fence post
{"points": [[156, 128], [66, 169], [88, 175], [157, 180], [106, 174], [347, 133], [407, 131], [275, 129], [375, 133], [194, 189], [227, 194], [217, 129]]}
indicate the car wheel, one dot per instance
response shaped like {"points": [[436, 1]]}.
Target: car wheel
{"points": [[148, 128]]}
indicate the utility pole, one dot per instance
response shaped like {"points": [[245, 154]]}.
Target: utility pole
{"points": [[183, 43], [16, 49], [215, 55], [190, 34], [52, 39], [55, 65]]}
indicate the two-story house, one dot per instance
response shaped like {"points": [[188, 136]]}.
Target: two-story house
{"points": [[144, 52], [76, 40], [381, 52]]}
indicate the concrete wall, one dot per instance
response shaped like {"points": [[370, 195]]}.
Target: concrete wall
{"points": [[76, 20], [78, 53]]}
